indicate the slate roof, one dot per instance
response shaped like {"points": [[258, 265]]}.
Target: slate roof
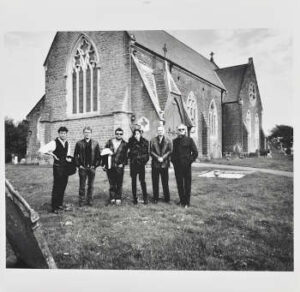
{"points": [[232, 78], [178, 53]]}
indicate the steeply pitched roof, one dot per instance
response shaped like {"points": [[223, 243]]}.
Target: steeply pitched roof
{"points": [[149, 82], [36, 105], [178, 53], [232, 78]]}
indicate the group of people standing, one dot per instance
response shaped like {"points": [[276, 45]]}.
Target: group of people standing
{"points": [[182, 152]]}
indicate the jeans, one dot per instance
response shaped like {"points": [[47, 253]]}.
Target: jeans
{"points": [[115, 178], [134, 172], [89, 175], [60, 181], [164, 174]]}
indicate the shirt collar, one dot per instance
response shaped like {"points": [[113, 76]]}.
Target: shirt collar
{"points": [[62, 142]]}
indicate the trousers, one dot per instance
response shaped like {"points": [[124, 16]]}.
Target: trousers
{"points": [[115, 178], [164, 174], [183, 174], [134, 172], [60, 182], [86, 174]]}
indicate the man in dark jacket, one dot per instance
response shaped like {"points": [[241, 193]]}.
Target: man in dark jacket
{"points": [[115, 169], [184, 154], [138, 155], [160, 151], [87, 159]]}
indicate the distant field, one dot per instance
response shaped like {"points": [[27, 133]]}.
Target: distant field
{"points": [[244, 224]]}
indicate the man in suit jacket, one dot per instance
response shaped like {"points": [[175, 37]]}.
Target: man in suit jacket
{"points": [[87, 159], [160, 151], [184, 154], [115, 171]]}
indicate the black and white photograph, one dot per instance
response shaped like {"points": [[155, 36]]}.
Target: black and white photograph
{"points": [[165, 152]]}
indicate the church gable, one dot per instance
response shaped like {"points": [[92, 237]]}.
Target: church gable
{"points": [[251, 108], [249, 92], [147, 76], [87, 74]]}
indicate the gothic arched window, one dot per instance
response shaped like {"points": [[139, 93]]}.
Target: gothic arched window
{"points": [[191, 106], [84, 79], [213, 119], [256, 131], [252, 93], [40, 132]]}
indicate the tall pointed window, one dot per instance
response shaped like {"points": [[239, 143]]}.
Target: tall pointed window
{"points": [[252, 93], [40, 132], [249, 129], [191, 106], [213, 119], [256, 132], [84, 79]]}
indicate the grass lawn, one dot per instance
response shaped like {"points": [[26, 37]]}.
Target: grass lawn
{"points": [[278, 162], [243, 224]]}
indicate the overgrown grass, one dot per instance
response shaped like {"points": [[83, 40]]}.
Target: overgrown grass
{"points": [[278, 162], [243, 224]]}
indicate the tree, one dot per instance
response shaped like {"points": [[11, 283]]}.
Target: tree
{"points": [[15, 138], [283, 134]]}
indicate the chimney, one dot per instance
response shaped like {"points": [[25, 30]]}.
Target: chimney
{"points": [[212, 57], [250, 60], [165, 50]]}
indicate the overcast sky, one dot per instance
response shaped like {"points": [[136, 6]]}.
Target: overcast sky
{"points": [[271, 51]]}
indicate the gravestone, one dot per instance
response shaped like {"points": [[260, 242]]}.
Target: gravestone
{"points": [[24, 232]]}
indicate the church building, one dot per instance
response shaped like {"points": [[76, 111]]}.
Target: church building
{"points": [[111, 79]]}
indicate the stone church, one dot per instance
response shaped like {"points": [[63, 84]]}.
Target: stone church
{"points": [[111, 79]]}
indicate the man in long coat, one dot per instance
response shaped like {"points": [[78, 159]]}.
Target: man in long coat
{"points": [[184, 154]]}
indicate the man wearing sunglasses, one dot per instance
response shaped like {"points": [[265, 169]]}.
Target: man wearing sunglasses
{"points": [[184, 154], [115, 169]]}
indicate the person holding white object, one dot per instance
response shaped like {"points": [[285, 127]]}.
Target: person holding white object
{"points": [[60, 150], [115, 152]]}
